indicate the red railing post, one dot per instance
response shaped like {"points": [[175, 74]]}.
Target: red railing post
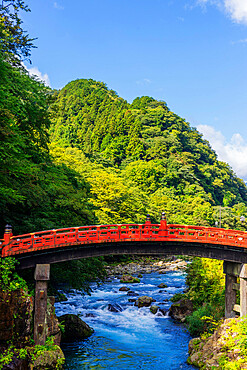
{"points": [[7, 237], [148, 220], [163, 225]]}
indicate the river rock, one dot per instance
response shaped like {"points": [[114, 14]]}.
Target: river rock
{"points": [[154, 309], [74, 328], [114, 307], [162, 285], [90, 314], [129, 279], [163, 311], [144, 301], [163, 271], [131, 293], [124, 289], [179, 310], [131, 299]]}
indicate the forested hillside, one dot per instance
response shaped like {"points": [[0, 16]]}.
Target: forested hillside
{"points": [[83, 155], [141, 157]]}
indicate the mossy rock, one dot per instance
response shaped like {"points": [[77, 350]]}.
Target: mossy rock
{"points": [[154, 309], [162, 285], [144, 301], [129, 279], [49, 360], [124, 289], [181, 309], [74, 328]]}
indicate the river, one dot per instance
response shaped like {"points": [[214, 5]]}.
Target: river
{"points": [[132, 338]]}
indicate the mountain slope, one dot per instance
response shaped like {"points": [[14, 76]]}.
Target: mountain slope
{"points": [[151, 145]]}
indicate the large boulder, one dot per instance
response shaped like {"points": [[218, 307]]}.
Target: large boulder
{"points": [[74, 328], [126, 278], [144, 301], [181, 309]]}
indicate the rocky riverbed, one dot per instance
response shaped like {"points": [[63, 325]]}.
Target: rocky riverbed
{"points": [[146, 266], [131, 324]]}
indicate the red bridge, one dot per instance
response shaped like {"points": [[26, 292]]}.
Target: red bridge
{"points": [[42, 248], [87, 241]]}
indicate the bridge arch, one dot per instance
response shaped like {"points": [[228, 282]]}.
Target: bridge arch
{"points": [[66, 244], [40, 249]]}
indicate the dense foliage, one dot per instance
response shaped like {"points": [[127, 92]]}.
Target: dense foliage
{"points": [[35, 193], [206, 289], [141, 157], [83, 155], [77, 274], [9, 279]]}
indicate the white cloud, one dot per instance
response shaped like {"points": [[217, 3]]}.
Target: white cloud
{"points": [[145, 81], [57, 6], [233, 152], [34, 71], [237, 9], [243, 41]]}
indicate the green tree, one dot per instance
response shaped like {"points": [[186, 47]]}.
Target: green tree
{"points": [[14, 42]]}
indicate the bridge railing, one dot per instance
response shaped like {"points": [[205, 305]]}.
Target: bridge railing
{"points": [[127, 232], [207, 235]]}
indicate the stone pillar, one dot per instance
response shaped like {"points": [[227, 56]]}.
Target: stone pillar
{"points": [[230, 296], [232, 271], [243, 290], [41, 275]]}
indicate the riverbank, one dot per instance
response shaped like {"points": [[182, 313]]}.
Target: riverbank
{"points": [[147, 265], [224, 349], [17, 351]]}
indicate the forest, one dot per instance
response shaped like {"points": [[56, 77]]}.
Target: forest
{"points": [[83, 155]]}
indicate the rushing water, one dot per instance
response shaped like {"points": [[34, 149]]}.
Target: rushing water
{"points": [[132, 338]]}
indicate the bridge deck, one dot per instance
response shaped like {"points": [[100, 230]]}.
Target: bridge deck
{"points": [[132, 234]]}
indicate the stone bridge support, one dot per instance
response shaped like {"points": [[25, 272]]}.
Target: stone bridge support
{"points": [[41, 275], [234, 272]]}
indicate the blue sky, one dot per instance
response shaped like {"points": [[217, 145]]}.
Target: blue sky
{"points": [[190, 53]]}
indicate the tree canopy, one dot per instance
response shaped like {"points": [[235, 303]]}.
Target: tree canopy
{"points": [[145, 146]]}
